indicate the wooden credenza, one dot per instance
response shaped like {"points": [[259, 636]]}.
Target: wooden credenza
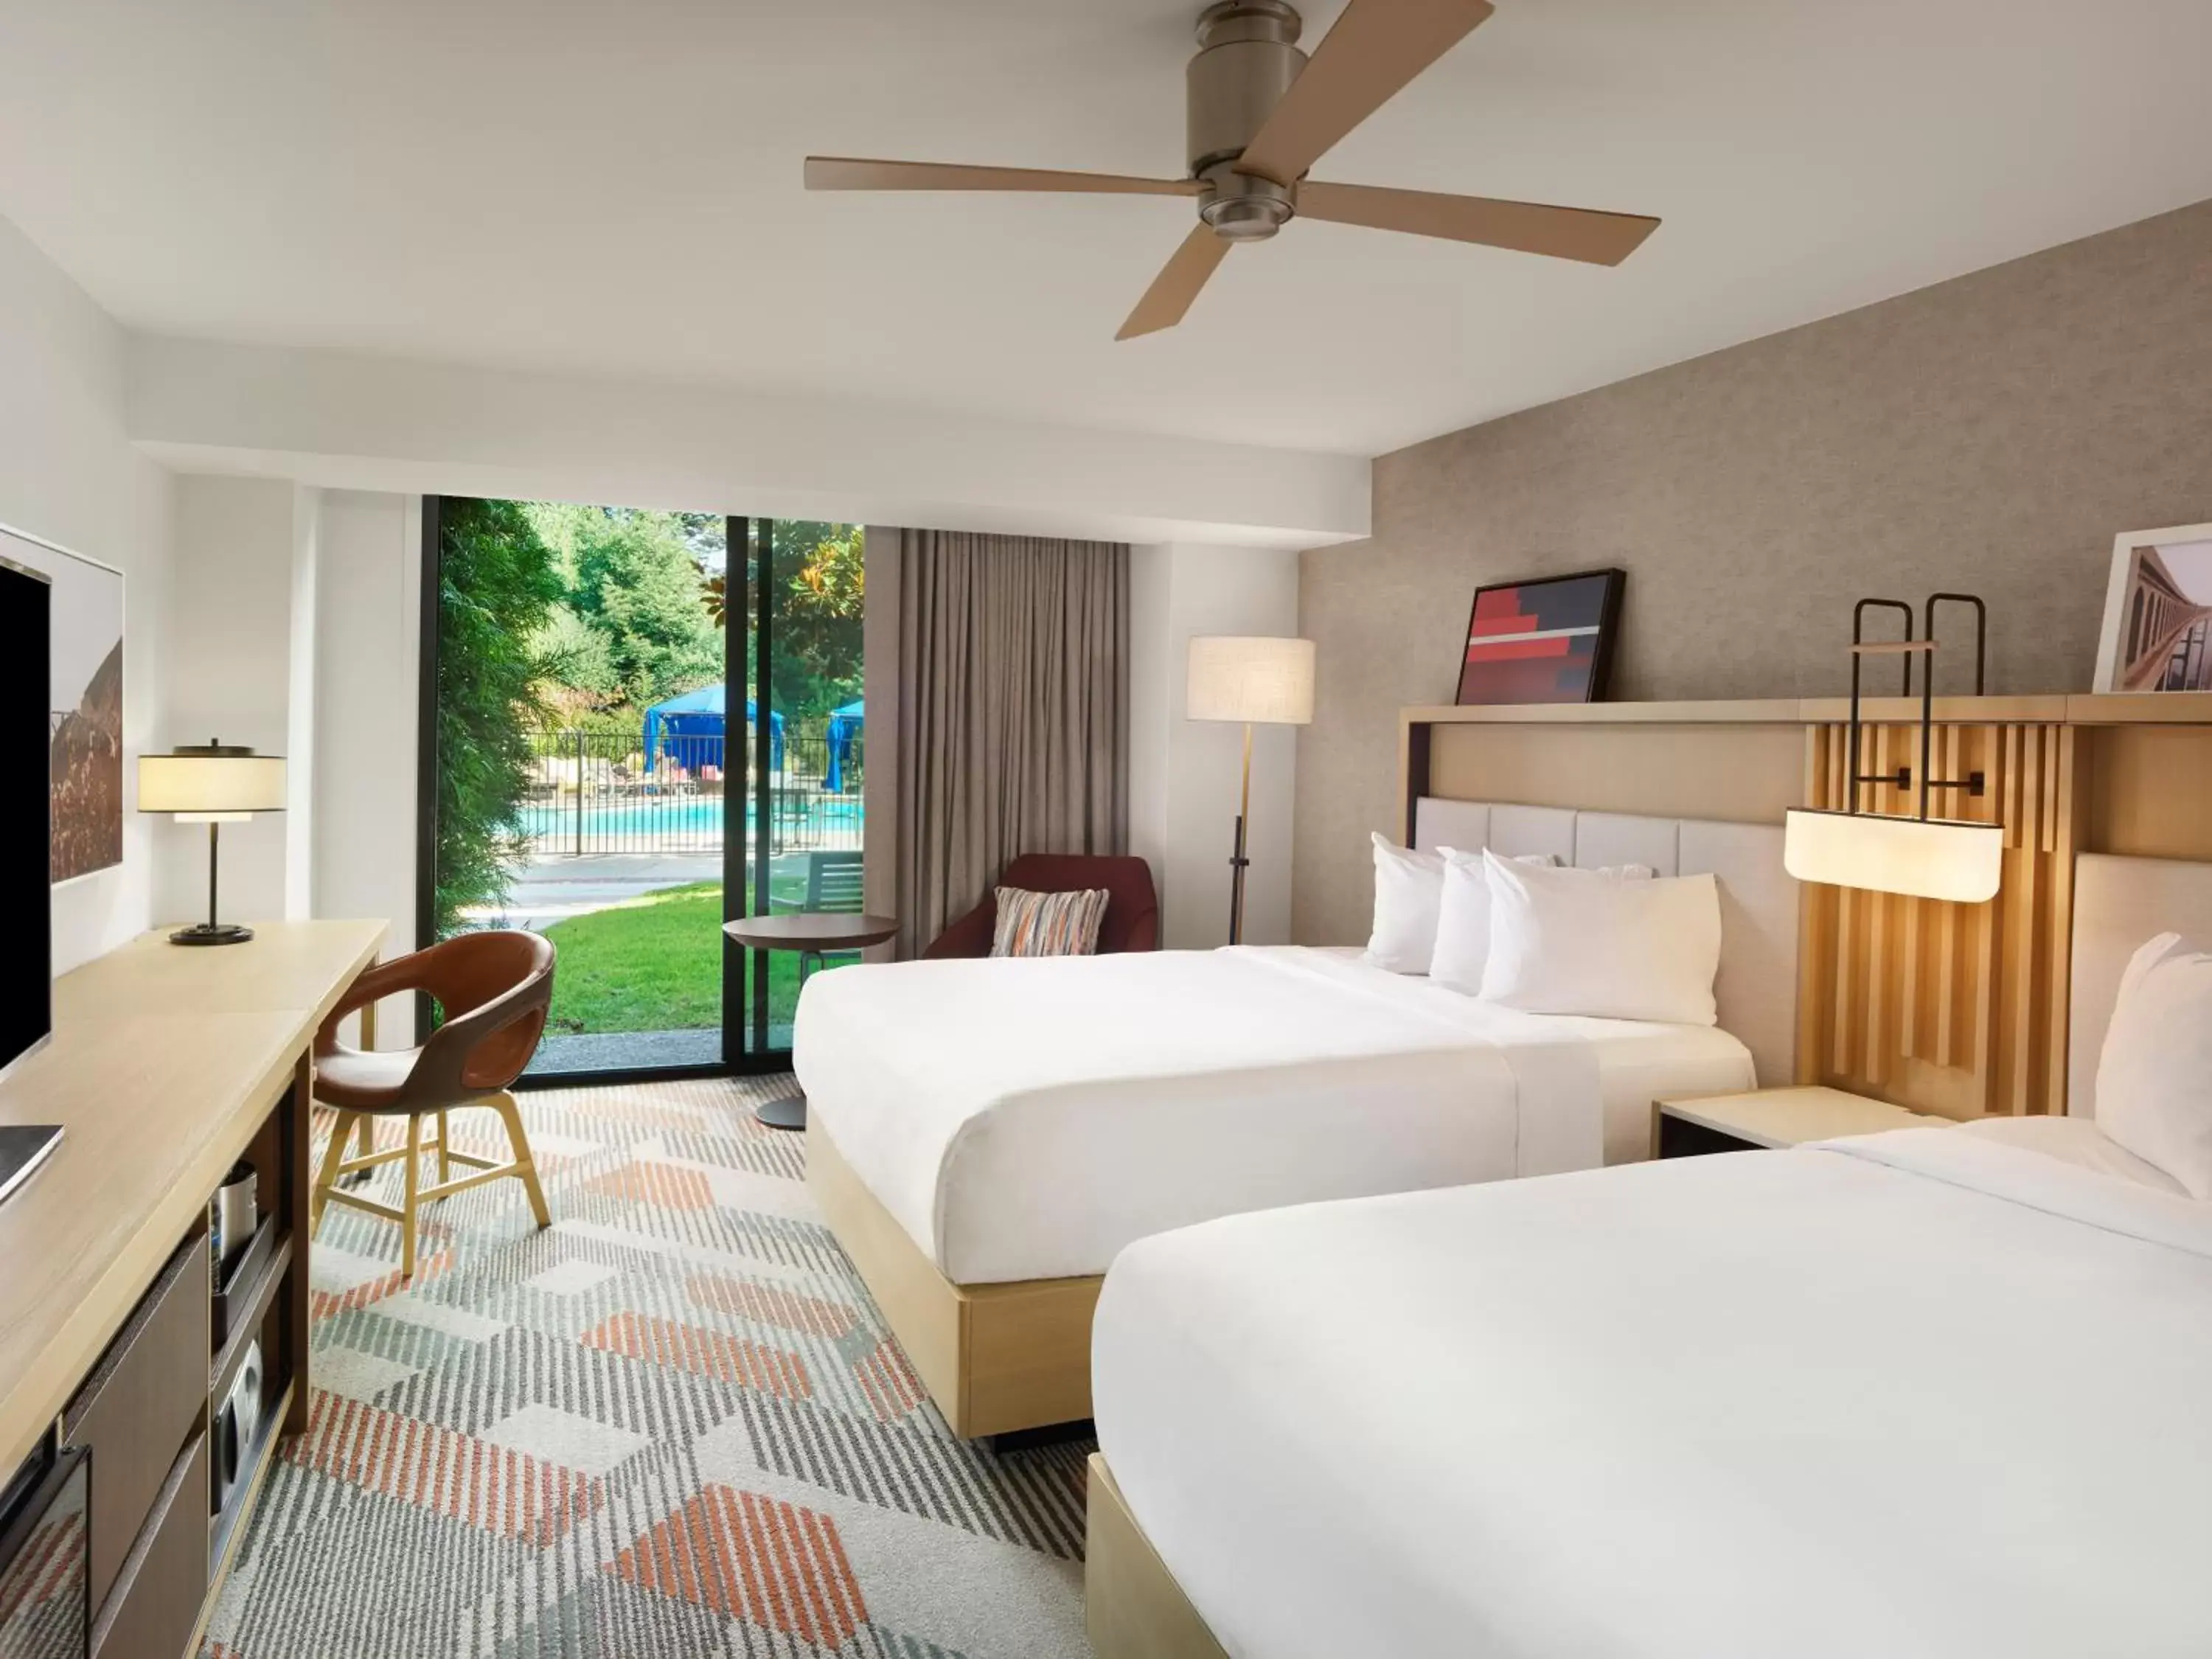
{"points": [[168, 1065]]}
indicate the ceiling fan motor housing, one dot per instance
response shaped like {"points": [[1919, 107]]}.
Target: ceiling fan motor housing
{"points": [[1248, 57]]}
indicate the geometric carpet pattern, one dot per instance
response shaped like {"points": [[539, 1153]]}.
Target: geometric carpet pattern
{"points": [[672, 1424]]}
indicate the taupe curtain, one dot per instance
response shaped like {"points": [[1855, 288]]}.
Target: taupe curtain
{"points": [[1014, 712]]}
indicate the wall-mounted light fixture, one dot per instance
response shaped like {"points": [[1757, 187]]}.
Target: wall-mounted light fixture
{"points": [[1924, 856]]}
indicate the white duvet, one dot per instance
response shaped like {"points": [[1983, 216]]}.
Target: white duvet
{"points": [[1026, 1119], [1922, 1393]]}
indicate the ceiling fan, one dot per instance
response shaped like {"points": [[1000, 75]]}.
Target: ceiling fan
{"points": [[1260, 112]]}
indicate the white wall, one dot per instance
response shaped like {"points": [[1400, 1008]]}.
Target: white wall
{"points": [[1182, 773], [295, 630], [300, 708], [229, 677], [368, 620], [68, 474], [345, 422]]}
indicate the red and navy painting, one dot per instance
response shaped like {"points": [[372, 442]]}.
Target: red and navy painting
{"points": [[1542, 642]]}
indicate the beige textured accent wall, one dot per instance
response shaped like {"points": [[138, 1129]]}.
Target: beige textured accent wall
{"points": [[1992, 434]]}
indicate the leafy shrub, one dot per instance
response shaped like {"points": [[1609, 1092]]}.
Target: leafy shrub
{"points": [[496, 587]]}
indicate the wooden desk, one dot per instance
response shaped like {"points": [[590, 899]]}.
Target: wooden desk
{"points": [[167, 1067]]}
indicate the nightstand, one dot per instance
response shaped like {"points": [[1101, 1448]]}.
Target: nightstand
{"points": [[1771, 1118]]}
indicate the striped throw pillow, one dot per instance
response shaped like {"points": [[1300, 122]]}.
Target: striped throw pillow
{"points": [[1048, 924]]}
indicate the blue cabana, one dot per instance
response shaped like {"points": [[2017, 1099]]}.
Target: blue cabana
{"points": [[844, 727], [691, 728]]}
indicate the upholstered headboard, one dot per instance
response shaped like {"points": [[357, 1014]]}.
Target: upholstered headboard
{"points": [[2118, 904], [1757, 989]]}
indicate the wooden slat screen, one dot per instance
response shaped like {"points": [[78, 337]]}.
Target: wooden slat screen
{"points": [[1958, 1009]]}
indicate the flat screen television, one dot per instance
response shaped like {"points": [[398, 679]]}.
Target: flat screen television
{"points": [[27, 989]]}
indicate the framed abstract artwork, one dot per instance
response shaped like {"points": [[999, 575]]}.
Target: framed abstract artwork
{"points": [[2158, 612], [85, 709], [1547, 640]]}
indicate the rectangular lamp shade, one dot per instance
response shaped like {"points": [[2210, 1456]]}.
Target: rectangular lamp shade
{"points": [[1921, 857], [1265, 681], [200, 788]]}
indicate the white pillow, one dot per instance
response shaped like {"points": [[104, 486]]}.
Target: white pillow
{"points": [[1463, 921], [1409, 889], [2154, 1076], [1561, 942]]}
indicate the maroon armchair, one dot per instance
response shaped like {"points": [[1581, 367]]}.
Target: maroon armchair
{"points": [[1132, 921]]}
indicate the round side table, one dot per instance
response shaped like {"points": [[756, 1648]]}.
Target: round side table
{"points": [[814, 932]]}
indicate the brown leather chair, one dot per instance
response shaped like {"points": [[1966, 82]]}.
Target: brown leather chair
{"points": [[494, 987], [1132, 921]]}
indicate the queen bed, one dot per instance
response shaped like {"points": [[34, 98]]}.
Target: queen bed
{"points": [[1934, 1392], [985, 1136]]}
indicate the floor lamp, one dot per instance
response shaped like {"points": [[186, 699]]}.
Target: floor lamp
{"points": [[1250, 682]]}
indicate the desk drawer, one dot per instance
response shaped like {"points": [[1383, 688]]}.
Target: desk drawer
{"points": [[139, 1405], [157, 1601]]}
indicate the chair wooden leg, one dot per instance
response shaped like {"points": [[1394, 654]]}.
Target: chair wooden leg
{"points": [[445, 1146], [411, 1205], [525, 1166], [326, 1177], [368, 1138]]}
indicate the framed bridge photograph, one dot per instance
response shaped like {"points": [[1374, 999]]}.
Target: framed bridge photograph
{"points": [[2158, 612]]}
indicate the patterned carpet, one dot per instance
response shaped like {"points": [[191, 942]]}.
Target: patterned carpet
{"points": [[672, 1424]]}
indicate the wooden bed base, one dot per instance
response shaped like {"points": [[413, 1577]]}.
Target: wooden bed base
{"points": [[994, 1357], [1133, 1607]]}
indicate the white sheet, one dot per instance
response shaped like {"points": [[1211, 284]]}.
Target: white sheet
{"points": [[1915, 1394], [1027, 1119], [2075, 1140]]}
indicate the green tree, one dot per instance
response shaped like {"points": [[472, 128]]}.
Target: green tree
{"points": [[633, 578], [574, 655], [820, 600], [496, 587]]}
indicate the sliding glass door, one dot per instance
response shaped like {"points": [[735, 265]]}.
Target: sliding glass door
{"points": [[636, 728], [804, 656]]}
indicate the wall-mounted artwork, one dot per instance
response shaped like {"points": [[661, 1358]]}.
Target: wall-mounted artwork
{"points": [[1549, 641], [2158, 612], [87, 705]]}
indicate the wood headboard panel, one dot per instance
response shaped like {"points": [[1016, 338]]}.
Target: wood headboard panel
{"points": [[1954, 1009], [1741, 773], [1957, 1009]]}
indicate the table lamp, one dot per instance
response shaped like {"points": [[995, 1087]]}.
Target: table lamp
{"points": [[1253, 682], [214, 784]]}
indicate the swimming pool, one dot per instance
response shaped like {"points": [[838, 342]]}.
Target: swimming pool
{"points": [[677, 814], [680, 824]]}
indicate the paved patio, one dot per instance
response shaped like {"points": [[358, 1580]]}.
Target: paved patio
{"points": [[550, 890], [553, 888]]}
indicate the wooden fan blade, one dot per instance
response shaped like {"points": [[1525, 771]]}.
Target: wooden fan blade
{"points": [[1172, 291], [1375, 48], [1594, 238], [851, 173]]}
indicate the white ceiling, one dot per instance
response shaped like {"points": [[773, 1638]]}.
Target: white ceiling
{"points": [[613, 189]]}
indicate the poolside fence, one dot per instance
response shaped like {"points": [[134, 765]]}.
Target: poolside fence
{"points": [[600, 792]]}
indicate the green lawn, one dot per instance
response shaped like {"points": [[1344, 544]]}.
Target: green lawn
{"points": [[653, 964]]}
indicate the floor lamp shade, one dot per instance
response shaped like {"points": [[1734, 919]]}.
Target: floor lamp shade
{"points": [[214, 784], [1250, 680]]}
